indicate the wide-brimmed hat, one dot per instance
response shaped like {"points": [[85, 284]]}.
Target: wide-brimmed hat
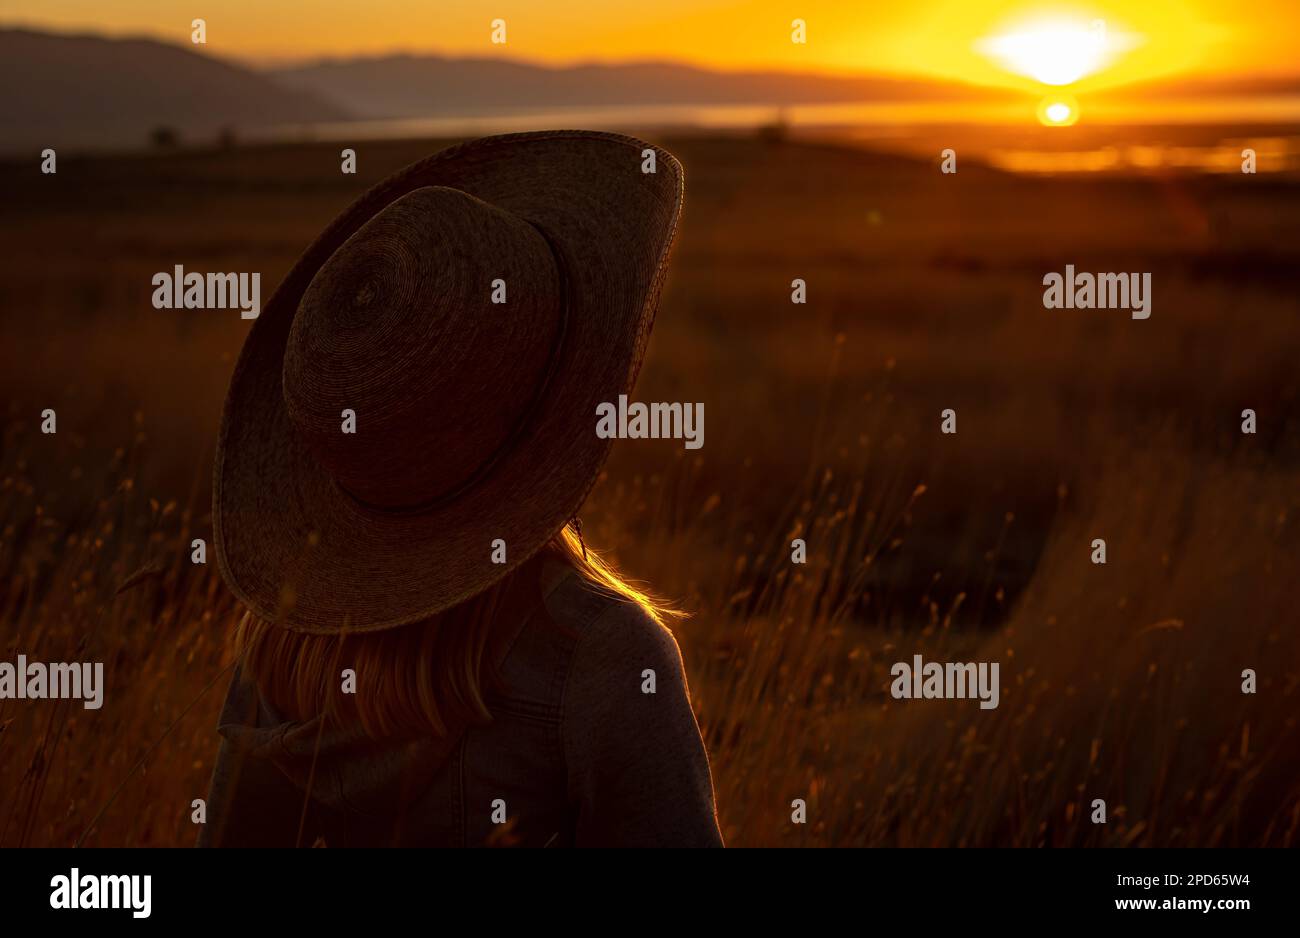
{"points": [[463, 319]]}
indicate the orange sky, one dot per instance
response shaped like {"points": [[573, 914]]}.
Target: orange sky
{"points": [[935, 37]]}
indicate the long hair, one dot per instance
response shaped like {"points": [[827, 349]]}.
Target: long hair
{"points": [[425, 678]]}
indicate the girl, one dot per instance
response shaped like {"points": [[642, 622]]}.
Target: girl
{"points": [[431, 656]]}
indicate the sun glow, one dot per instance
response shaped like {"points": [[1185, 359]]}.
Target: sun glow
{"points": [[1058, 111], [1056, 51]]}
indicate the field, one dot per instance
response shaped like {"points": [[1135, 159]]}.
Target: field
{"points": [[1120, 682]]}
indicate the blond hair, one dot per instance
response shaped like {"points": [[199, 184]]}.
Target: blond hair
{"points": [[430, 677]]}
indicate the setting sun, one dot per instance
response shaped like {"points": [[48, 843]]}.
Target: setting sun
{"points": [[1057, 51], [1058, 111]]}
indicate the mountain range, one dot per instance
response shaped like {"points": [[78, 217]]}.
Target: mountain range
{"points": [[400, 86], [88, 91]]}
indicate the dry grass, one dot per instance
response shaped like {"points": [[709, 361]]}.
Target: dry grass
{"points": [[1119, 682]]}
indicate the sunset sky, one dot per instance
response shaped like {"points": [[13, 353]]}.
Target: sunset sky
{"points": [[933, 37]]}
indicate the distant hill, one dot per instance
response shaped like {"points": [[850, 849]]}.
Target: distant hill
{"points": [[88, 91], [433, 86], [1204, 87]]}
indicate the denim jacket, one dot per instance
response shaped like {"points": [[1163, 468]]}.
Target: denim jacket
{"points": [[575, 753]]}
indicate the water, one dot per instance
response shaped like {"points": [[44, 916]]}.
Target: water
{"points": [[1262, 109], [904, 126]]}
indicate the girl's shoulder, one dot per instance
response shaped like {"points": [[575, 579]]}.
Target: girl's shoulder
{"points": [[600, 621]]}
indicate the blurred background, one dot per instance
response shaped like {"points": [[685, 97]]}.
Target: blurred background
{"points": [[1094, 134]]}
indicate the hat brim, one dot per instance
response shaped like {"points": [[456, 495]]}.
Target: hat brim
{"points": [[300, 552]]}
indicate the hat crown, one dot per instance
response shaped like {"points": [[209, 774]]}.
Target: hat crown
{"points": [[400, 328]]}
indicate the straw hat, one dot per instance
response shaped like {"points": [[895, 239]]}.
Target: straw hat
{"points": [[474, 420]]}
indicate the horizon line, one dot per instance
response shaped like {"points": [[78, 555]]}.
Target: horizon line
{"points": [[274, 62]]}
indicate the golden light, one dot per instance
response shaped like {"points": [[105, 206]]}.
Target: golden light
{"points": [[1058, 111], [1056, 50]]}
